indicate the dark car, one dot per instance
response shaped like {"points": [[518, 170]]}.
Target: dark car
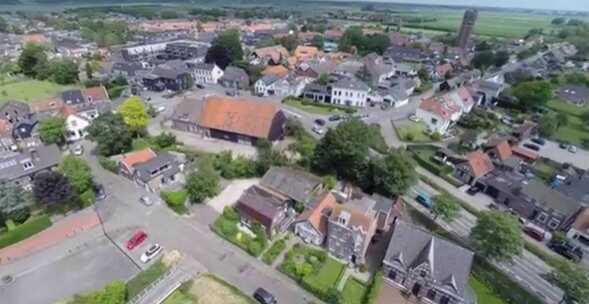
{"points": [[563, 145], [200, 85], [264, 297], [473, 190], [567, 250], [320, 122], [532, 147], [334, 117], [538, 140]]}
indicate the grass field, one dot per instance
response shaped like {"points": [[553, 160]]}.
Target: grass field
{"points": [[413, 132], [327, 276], [30, 90], [144, 278], [576, 131], [496, 24], [483, 293], [353, 292], [25, 230]]}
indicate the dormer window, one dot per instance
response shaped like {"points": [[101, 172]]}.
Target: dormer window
{"points": [[28, 165]]}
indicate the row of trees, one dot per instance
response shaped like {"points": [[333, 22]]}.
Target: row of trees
{"points": [[33, 62], [355, 40]]}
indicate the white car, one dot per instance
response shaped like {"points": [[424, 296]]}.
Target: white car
{"points": [[414, 118], [151, 253], [318, 130], [160, 109], [78, 150], [572, 149], [145, 200]]}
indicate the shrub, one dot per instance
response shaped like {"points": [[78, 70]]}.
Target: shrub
{"points": [[255, 248], [274, 251], [108, 164], [230, 213], [176, 200], [164, 140], [436, 136], [410, 137], [228, 227], [363, 268], [373, 288], [88, 198], [10, 225], [25, 230]]}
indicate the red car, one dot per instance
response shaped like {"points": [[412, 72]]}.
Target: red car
{"points": [[136, 240]]}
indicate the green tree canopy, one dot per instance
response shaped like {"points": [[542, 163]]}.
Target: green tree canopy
{"points": [[318, 41], [230, 41], [52, 130], [446, 207], [354, 39], [573, 280], [134, 114], [497, 236], [52, 188], [532, 94], [33, 60], [202, 183], [78, 173], [64, 71], [14, 203], [548, 125], [483, 60], [111, 133], [392, 174]]}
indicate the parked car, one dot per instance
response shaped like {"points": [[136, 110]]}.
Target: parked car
{"points": [[538, 140], [572, 149], [78, 150], [414, 118], [264, 297], [318, 130], [320, 122], [532, 147], [424, 200], [136, 239], [145, 200], [151, 253], [535, 232], [567, 250], [230, 93], [160, 109], [335, 117], [200, 85], [473, 190], [563, 145]]}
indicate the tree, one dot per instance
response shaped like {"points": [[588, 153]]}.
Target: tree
{"points": [[572, 280], [558, 21], [323, 79], [562, 119], [393, 174], [501, 58], [267, 157], [548, 125], [344, 151], [483, 60], [497, 236], [134, 114], [318, 41], [89, 71], [350, 40], [445, 207], [111, 133], [64, 71], [202, 183], [229, 40], [52, 188], [33, 60], [4, 27], [14, 203], [532, 94], [52, 130], [78, 173], [218, 55], [290, 42]]}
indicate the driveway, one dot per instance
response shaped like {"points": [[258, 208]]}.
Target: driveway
{"points": [[551, 150], [86, 269], [231, 193]]}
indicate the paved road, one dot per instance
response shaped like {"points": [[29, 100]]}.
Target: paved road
{"points": [[526, 269], [551, 150], [192, 236]]}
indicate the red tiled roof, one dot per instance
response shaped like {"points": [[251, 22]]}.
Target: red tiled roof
{"points": [[503, 150], [480, 163], [276, 70], [137, 157], [240, 116], [96, 94], [435, 106], [529, 155], [316, 216]]}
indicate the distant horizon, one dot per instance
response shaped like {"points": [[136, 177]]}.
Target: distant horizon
{"points": [[568, 5]]}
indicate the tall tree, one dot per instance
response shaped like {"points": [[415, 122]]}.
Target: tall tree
{"points": [[497, 236], [548, 125], [111, 133], [32, 60], [483, 60], [64, 71], [202, 183], [218, 55], [52, 130], [230, 40], [501, 58], [14, 203], [318, 41], [134, 114], [52, 188], [532, 94], [78, 173], [574, 282], [89, 70], [392, 174], [445, 207]]}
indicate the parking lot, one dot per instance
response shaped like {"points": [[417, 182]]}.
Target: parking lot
{"points": [[98, 264], [551, 150]]}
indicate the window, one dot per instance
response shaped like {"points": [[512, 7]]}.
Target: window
{"points": [[434, 121], [553, 224], [542, 217], [27, 165], [392, 275]]}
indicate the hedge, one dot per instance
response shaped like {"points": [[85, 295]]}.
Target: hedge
{"points": [[308, 102], [176, 200], [25, 230], [274, 251], [373, 289], [108, 164]]}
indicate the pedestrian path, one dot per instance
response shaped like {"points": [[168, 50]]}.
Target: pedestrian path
{"points": [[343, 279], [292, 240]]}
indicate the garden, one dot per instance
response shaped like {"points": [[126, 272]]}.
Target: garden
{"points": [[31, 90], [413, 132], [312, 107], [275, 250], [313, 270], [15, 233], [574, 131], [208, 289], [424, 156], [228, 227], [143, 279]]}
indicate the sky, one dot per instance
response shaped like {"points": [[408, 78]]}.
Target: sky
{"points": [[572, 5]]}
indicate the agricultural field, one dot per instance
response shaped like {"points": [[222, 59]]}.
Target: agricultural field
{"points": [[30, 90]]}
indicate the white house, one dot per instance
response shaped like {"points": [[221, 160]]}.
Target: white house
{"points": [[266, 85], [349, 92], [75, 126], [289, 85], [439, 112], [206, 73]]}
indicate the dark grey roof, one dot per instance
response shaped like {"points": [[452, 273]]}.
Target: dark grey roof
{"points": [[296, 184], [316, 87], [131, 68], [351, 83], [549, 198], [204, 66], [163, 164], [73, 97], [188, 110], [42, 157], [269, 79], [450, 263], [578, 94], [383, 204], [234, 74], [15, 109], [261, 204], [576, 187]]}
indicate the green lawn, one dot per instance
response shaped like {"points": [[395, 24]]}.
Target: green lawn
{"points": [[413, 132], [178, 297], [144, 278], [353, 292], [176, 200], [30, 90], [576, 131], [25, 230], [271, 254], [544, 170], [327, 276], [483, 293], [321, 109]]}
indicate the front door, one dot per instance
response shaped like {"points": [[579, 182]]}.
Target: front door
{"points": [[416, 288]]}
